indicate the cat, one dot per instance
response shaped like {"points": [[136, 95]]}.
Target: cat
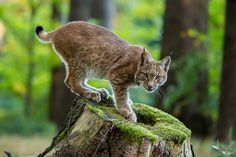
{"points": [[91, 51]]}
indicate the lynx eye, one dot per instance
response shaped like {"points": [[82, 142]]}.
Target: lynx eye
{"points": [[145, 75], [157, 77]]}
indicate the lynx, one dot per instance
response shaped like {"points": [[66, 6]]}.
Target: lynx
{"points": [[91, 51]]}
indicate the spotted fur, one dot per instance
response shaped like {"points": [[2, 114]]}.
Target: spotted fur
{"points": [[90, 51]]}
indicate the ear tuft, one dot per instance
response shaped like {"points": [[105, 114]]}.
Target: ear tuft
{"points": [[165, 63], [145, 57]]}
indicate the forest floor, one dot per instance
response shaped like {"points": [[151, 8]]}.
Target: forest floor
{"points": [[34, 145]]}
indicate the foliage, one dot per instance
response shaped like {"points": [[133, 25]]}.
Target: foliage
{"points": [[225, 150], [187, 67], [19, 51], [214, 54], [186, 81], [14, 123], [15, 53]]}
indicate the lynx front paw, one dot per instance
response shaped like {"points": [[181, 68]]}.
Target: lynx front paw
{"points": [[95, 96], [104, 93], [132, 117], [128, 115]]}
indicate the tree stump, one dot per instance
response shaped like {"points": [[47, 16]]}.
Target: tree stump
{"points": [[98, 130]]}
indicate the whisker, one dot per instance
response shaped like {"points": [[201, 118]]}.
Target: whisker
{"points": [[159, 94], [159, 89], [159, 97]]}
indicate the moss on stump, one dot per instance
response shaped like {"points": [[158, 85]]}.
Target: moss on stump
{"points": [[152, 124]]}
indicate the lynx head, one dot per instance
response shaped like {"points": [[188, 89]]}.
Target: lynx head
{"points": [[151, 74]]}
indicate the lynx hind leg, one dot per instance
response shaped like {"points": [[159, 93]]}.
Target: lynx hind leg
{"points": [[104, 93], [122, 102], [74, 81]]}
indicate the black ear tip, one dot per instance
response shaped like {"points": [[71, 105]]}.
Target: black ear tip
{"points": [[168, 57], [38, 29], [171, 53]]}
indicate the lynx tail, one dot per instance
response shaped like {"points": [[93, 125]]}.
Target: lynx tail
{"points": [[42, 35]]}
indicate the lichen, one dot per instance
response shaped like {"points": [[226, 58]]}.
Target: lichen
{"points": [[152, 124]]}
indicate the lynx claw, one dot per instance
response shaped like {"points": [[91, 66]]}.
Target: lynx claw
{"points": [[95, 96], [132, 117], [104, 93]]}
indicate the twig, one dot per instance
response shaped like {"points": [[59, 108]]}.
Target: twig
{"points": [[104, 136]]}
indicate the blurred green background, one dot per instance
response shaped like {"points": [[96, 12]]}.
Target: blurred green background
{"points": [[34, 100]]}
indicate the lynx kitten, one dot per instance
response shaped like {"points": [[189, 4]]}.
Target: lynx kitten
{"points": [[90, 51]]}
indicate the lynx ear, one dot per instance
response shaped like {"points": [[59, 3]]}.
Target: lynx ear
{"points": [[145, 57], [165, 63]]}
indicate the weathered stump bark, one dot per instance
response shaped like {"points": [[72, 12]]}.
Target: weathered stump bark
{"points": [[98, 130]]}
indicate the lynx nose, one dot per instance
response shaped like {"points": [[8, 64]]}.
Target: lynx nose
{"points": [[150, 87]]}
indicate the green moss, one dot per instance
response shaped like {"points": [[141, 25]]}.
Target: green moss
{"points": [[107, 113], [165, 125], [135, 130], [152, 123], [96, 110]]}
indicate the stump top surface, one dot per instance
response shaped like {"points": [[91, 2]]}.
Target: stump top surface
{"points": [[152, 124]]}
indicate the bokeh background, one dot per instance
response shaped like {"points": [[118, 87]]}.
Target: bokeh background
{"points": [[201, 87]]}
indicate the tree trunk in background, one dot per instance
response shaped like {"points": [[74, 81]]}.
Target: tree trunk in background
{"points": [[79, 10], [227, 109], [29, 78], [31, 64], [60, 94], [60, 98], [180, 16], [102, 10]]}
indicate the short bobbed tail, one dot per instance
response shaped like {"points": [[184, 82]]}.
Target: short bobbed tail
{"points": [[42, 35], [38, 29]]}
